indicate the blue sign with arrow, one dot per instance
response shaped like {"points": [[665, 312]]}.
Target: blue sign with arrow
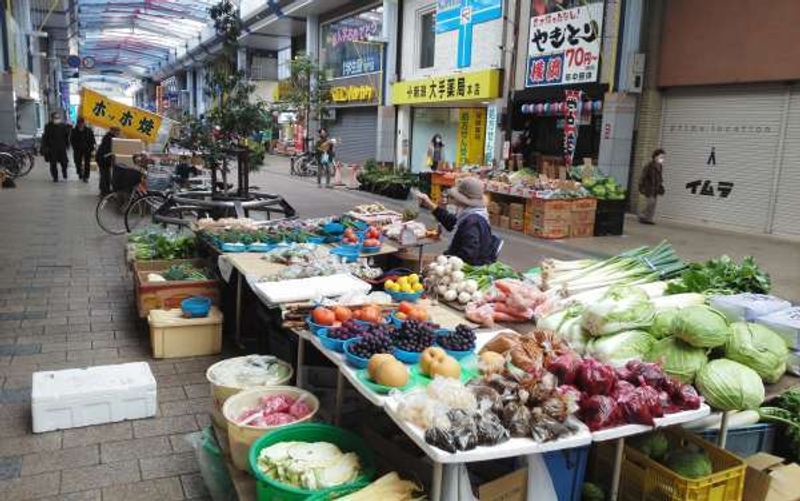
{"points": [[463, 15]]}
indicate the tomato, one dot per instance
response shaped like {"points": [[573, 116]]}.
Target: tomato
{"points": [[348, 233], [342, 314], [371, 242], [373, 232], [371, 316], [323, 316], [406, 307]]}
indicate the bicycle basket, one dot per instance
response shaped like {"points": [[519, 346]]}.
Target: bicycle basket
{"points": [[158, 181], [124, 178]]}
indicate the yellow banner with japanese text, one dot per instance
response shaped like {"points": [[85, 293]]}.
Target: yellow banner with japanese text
{"points": [[470, 136], [133, 122], [476, 85]]}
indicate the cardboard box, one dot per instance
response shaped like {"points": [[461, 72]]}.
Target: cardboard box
{"points": [[516, 211], [770, 479], [517, 224], [511, 487], [121, 146], [494, 219], [505, 222], [494, 208]]}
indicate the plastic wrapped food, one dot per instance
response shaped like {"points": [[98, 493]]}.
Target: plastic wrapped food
{"points": [[600, 411], [565, 367], [595, 378], [249, 371], [641, 405], [517, 419]]}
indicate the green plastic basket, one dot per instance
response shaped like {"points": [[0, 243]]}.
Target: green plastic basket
{"points": [[269, 489]]}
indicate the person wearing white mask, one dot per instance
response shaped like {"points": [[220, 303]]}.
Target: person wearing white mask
{"points": [[651, 186], [55, 142]]}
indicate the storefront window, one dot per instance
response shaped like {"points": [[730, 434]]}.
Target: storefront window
{"points": [[348, 47], [427, 39]]}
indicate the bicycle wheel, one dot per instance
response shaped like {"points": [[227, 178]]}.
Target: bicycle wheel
{"points": [[110, 212], [10, 164], [26, 164], [141, 210]]}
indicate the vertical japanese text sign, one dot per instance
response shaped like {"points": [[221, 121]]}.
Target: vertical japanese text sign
{"points": [[571, 111]]}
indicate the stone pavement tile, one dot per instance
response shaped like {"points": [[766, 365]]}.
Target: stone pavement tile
{"points": [[40, 442], [42, 358], [10, 467], [90, 336], [139, 351], [20, 349], [164, 380], [137, 448], [181, 443], [203, 419], [90, 355], [103, 475], [18, 489], [164, 489], [191, 406], [193, 486], [15, 411], [97, 434], [171, 394], [164, 426], [197, 390], [15, 396], [196, 364], [67, 346], [14, 427], [91, 495], [42, 338], [167, 466], [16, 382], [117, 342], [58, 460]]}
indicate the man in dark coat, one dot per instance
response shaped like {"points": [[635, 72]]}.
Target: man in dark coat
{"points": [[105, 160], [82, 140], [472, 238], [55, 142], [651, 185]]}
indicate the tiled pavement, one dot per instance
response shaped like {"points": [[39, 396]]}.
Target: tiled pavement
{"points": [[66, 301]]}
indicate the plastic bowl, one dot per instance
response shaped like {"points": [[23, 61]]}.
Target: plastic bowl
{"points": [[398, 297], [353, 360], [269, 488], [316, 240], [330, 343], [260, 247], [333, 228], [233, 247], [196, 306], [360, 226], [314, 327], [396, 321], [349, 254], [407, 357], [457, 354]]}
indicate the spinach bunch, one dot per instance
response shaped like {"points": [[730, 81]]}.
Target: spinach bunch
{"points": [[722, 276]]}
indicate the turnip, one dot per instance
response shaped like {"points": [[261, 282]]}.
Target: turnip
{"points": [[457, 276], [464, 297], [450, 295]]}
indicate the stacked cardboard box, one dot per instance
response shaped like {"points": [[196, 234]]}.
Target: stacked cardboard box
{"points": [[549, 218], [582, 217], [516, 214]]}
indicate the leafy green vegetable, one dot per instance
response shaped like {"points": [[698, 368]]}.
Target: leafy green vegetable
{"points": [[655, 445], [730, 386], [664, 324], [786, 412], [485, 275], [689, 463], [759, 348], [701, 326], [621, 308], [619, 348], [722, 276], [679, 360], [184, 271]]}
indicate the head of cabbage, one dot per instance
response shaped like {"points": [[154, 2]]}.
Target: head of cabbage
{"points": [[620, 308], [663, 323], [730, 386], [759, 348], [701, 326], [567, 324], [679, 360], [617, 349]]}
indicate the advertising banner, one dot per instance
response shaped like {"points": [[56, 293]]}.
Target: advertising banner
{"points": [[571, 112], [134, 123], [462, 16], [564, 46], [470, 136], [477, 85]]}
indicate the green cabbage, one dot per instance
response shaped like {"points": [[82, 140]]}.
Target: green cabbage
{"points": [[620, 308], [567, 324], [618, 348], [730, 386], [689, 463], [680, 360], [654, 445], [663, 324], [701, 326], [759, 348]]}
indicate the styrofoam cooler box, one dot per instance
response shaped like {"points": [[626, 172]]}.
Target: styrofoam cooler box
{"points": [[92, 395], [786, 323], [748, 306]]}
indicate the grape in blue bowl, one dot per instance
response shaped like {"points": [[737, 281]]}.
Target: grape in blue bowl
{"points": [[459, 343]]}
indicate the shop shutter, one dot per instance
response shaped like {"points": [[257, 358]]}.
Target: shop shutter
{"points": [[694, 121], [787, 205], [356, 131]]}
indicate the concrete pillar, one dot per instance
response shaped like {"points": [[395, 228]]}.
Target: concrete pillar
{"points": [[386, 147], [616, 135], [312, 49], [191, 75], [8, 109], [241, 60], [403, 136]]}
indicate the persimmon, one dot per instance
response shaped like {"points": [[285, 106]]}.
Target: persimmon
{"points": [[323, 316], [342, 314]]}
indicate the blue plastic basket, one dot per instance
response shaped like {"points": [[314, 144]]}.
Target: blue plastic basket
{"points": [[349, 254], [333, 228], [313, 327], [196, 306], [316, 240], [360, 225], [407, 357], [353, 360], [260, 247], [457, 354], [411, 297], [747, 440], [233, 247], [329, 343]]}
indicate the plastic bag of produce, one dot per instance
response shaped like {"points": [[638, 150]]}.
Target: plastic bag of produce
{"points": [[595, 378], [730, 386], [701, 326], [619, 348], [621, 308], [679, 360], [759, 348], [786, 323], [747, 306]]}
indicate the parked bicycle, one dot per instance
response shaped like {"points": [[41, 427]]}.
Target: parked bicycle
{"points": [[18, 160]]}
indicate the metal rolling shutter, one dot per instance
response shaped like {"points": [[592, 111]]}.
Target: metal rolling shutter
{"points": [[787, 206], [356, 130], [696, 119]]}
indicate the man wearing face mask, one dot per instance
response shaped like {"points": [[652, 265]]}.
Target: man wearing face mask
{"points": [[55, 141], [82, 140], [651, 185]]}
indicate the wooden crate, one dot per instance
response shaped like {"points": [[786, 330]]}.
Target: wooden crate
{"points": [[551, 229], [167, 295], [581, 230]]}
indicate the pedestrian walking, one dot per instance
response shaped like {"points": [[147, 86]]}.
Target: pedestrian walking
{"points": [[435, 152], [83, 143], [325, 155], [55, 142], [105, 160], [651, 185]]}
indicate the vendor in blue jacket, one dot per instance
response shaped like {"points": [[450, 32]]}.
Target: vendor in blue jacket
{"points": [[472, 238]]}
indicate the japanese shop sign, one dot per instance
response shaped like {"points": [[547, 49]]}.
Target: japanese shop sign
{"points": [[571, 111], [347, 47], [491, 131], [705, 187], [470, 136], [564, 46], [462, 16], [133, 122], [353, 93], [441, 89]]}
